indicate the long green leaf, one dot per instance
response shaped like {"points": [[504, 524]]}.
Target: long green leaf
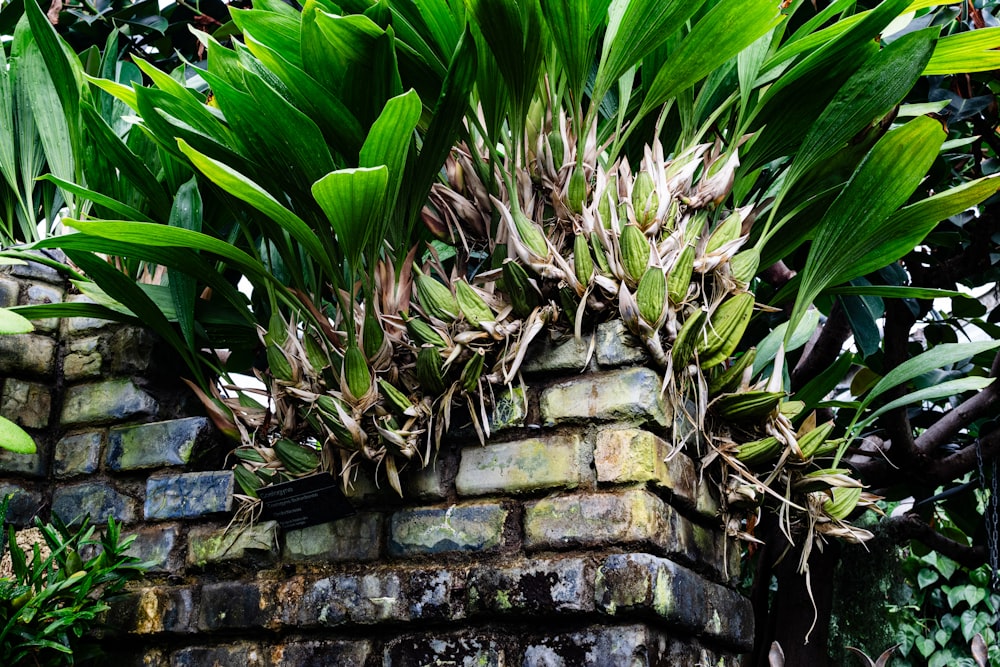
{"points": [[185, 214], [353, 200], [571, 24], [63, 67], [853, 225], [768, 348], [278, 31], [8, 156], [12, 323], [109, 203], [972, 51], [936, 357], [943, 390], [895, 291]]}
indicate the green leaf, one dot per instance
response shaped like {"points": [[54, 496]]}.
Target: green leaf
{"points": [[942, 390], [12, 323], [895, 292], [926, 577], [936, 357], [185, 214], [853, 225], [820, 386], [572, 26], [768, 348], [109, 203], [14, 438], [862, 313], [278, 31], [966, 52], [353, 200]]}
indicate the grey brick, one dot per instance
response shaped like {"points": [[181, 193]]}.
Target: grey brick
{"points": [[155, 544], [24, 504], [632, 645], [29, 355], [77, 454], [616, 346], [26, 403], [465, 650], [215, 544], [189, 495], [525, 465], [627, 395], [106, 401], [99, 500], [433, 530], [165, 443], [353, 538], [154, 610], [332, 652], [545, 586], [242, 654]]}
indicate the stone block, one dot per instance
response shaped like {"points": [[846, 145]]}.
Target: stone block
{"points": [[28, 355], [616, 346], [510, 410], [154, 610], [76, 326], [524, 465], [83, 359], [342, 653], [35, 271], [466, 650], [353, 538], [537, 587], [627, 395], [77, 454], [632, 645], [242, 654], [624, 456], [106, 401], [155, 544], [189, 495], [562, 358], [432, 530], [130, 350], [24, 504], [98, 500], [630, 517], [26, 403], [155, 445], [26, 465], [426, 484], [238, 605], [10, 291], [39, 294], [211, 544]]}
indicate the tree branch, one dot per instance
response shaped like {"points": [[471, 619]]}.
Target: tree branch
{"points": [[912, 527], [898, 321], [825, 350], [955, 420]]}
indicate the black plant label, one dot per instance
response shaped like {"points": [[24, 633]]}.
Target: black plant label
{"points": [[304, 502]]}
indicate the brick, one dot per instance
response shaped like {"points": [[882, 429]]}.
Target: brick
{"points": [[342, 653], [211, 544], [28, 355], [632, 645], [24, 504], [154, 610], [189, 495], [534, 587], [96, 499], [77, 454], [474, 527], [83, 359], [26, 403], [9, 292], [131, 350], [524, 465], [236, 605], [155, 545], [35, 271], [38, 294], [243, 654], [628, 395], [155, 445], [26, 465], [616, 346], [75, 326], [101, 402], [434, 649], [628, 455], [353, 538], [564, 357], [597, 519], [629, 583], [425, 483], [510, 410]]}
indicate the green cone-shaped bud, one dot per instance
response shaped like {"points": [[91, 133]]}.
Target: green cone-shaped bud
{"points": [[644, 199], [744, 265], [531, 234], [472, 372], [576, 193], [652, 296], [523, 296], [680, 276], [423, 333], [430, 373], [436, 299], [372, 335], [583, 263], [278, 364], [599, 257], [726, 232], [557, 148], [635, 252], [359, 378], [608, 197], [472, 305]]}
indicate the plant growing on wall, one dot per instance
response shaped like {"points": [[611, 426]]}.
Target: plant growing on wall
{"points": [[575, 161]]}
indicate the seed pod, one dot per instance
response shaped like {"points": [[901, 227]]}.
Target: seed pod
{"points": [[759, 451], [726, 328], [729, 380], [248, 481], [635, 252], [556, 148], [278, 364], [530, 233], [748, 405], [359, 378], [297, 459], [472, 305], [423, 332], [811, 441], [429, 371], [315, 353], [843, 502], [679, 279], [435, 298], [644, 199], [583, 263], [397, 398], [652, 296], [608, 197], [744, 265], [372, 335], [576, 192], [728, 231], [473, 371], [687, 338], [249, 454], [523, 296], [599, 257]]}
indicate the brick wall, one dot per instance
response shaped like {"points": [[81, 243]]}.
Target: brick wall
{"points": [[571, 538]]}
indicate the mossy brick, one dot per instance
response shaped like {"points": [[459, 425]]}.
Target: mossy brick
{"points": [[537, 587], [154, 445], [353, 538], [628, 517], [461, 650], [82, 359], [130, 350], [26, 403], [98, 500], [510, 410], [633, 645], [156, 545], [339, 652], [24, 504], [106, 401], [623, 456], [617, 347], [217, 544], [155, 610], [427, 484], [26, 465], [10, 291], [188, 495], [240, 654], [562, 461], [627, 395], [41, 294], [77, 454], [643, 583], [563, 357], [27, 355], [238, 605], [75, 326], [433, 530]]}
